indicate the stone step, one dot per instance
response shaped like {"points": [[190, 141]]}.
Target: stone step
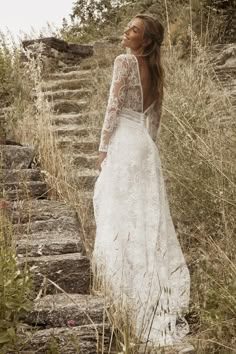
{"points": [[82, 160], [45, 244], [231, 70], [69, 106], [84, 146], [69, 68], [45, 227], [75, 84], [89, 339], [61, 226], [89, 64], [13, 156], [24, 190], [20, 175], [71, 272], [75, 118], [67, 94], [84, 178], [56, 310], [42, 210], [75, 130], [77, 73]]}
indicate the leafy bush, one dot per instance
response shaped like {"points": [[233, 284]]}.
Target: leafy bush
{"points": [[15, 287]]}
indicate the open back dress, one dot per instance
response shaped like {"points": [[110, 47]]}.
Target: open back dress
{"points": [[136, 253]]}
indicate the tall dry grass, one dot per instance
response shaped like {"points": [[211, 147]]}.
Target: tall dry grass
{"points": [[197, 144]]}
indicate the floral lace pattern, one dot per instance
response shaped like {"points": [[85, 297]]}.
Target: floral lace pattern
{"points": [[136, 252], [125, 92]]}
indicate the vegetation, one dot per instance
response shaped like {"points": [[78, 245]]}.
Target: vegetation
{"points": [[15, 286], [197, 144]]}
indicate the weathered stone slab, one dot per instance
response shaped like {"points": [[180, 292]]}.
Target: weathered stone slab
{"points": [[71, 272], [41, 210], [56, 310], [43, 244], [21, 175], [71, 75], [61, 46], [60, 225], [69, 68], [69, 106], [84, 178], [71, 130], [90, 339], [75, 84], [85, 146], [67, 94], [13, 156], [89, 64], [24, 190], [75, 118], [70, 118], [83, 160]]}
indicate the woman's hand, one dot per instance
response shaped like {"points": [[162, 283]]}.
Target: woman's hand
{"points": [[101, 157]]}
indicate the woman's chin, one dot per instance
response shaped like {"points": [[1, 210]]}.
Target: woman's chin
{"points": [[124, 43]]}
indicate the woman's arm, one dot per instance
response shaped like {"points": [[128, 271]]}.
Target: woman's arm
{"points": [[116, 100]]}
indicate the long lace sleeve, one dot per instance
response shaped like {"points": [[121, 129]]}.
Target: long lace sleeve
{"points": [[116, 99]]}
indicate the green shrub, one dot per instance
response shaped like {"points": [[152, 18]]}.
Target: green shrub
{"points": [[15, 287]]}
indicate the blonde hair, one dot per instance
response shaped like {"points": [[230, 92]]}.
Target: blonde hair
{"points": [[154, 30]]}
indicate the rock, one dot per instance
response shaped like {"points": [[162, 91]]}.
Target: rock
{"points": [[69, 106], [12, 156], [83, 160], [43, 244], [84, 178], [69, 130], [57, 50], [60, 225], [74, 118], [71, 75], [74, 84], [84, 146], [89, 64], [57, 310], [41, 210], [24, 190], [68, 69], [20, 176], [22, 184], [71, 272], [90, 339], [67, 94]]}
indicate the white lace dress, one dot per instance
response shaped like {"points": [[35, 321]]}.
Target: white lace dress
{"points": [[136, 251]]}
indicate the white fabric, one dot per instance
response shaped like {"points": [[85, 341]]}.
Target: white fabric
{"points": [[125, 92], [136, 251]]}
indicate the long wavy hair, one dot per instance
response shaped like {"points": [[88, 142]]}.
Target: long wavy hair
{"points": [[154, 30]]}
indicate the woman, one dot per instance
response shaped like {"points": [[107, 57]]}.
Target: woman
{"points": [[136, 250]]}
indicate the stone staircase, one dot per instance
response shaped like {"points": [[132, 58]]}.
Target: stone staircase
{"points": [[48, 235], [48, 240]]}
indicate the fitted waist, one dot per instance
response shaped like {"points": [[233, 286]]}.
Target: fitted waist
{"points": [[136, 119]]}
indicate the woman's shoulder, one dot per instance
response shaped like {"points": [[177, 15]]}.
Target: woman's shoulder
{"points": [[124, 59]]}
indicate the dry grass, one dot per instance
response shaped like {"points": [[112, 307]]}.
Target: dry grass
{"points": [[197, 143]]}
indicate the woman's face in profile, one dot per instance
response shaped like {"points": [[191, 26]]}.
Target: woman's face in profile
{"points": [[133, 34]]}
